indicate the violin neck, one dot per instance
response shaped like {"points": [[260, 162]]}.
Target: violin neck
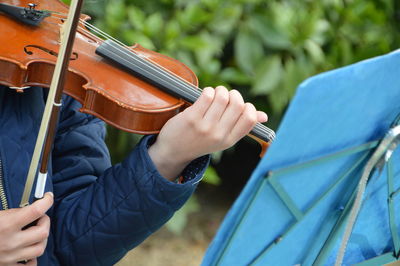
{"points": [[148, 71], [163, 79]]}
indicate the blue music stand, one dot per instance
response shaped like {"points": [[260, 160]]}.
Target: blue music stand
{"points": [[296, 205]]}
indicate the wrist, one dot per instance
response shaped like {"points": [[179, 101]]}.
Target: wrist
{"points": [[168, 163]]}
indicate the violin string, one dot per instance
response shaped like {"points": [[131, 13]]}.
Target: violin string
{"points": [[96, 30], [194, 90], [157, 68], [260, 128], [167, 75]]}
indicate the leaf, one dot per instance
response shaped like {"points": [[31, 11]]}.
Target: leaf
{"points": [[269, 33], [248, 51], [278, 100], [233, 75], [94, 9], [321, 30], [178, 222], [193, 42], [211, 177], [187, 58], [226, 19], [268, 75], [315, 51], [211, 4], [136, 17], [294, 74], [192, 17], [115, 14], [209, 51], [196, 14], [213, 67], [345, 51], [153, 25], [133, 37], [172, 30]]}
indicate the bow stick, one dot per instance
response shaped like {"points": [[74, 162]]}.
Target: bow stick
{"points": [[50, 116]]}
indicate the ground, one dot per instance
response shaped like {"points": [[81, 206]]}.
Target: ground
{"points": [[169, 249]]}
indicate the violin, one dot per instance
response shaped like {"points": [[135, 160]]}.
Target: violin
{"points": [[132, 88]]}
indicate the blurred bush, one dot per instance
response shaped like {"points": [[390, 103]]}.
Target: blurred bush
{"points": [[262, 48]]}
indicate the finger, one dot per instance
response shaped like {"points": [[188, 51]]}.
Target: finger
{"points": [[28, 214], [35, 234], [202, 104], [262, 117], [32, 262], [233, 111], [32, 252], [219, 104], [246, 122]]}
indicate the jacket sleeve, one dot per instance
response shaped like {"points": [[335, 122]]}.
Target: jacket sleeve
{"points": [[103, 211]]}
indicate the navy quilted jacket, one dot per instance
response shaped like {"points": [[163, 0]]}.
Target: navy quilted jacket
{"points": [[100, 212]]}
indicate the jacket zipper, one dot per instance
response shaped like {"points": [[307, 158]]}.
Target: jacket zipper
{"points": [[3, 197]]}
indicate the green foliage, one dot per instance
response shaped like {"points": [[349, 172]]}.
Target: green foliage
{"points": [[211, 176], [179, 220]]}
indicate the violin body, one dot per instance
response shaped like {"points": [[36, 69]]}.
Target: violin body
{"points": [[29, 53]]}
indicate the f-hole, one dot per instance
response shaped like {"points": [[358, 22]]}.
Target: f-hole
{"points": [[28, 50]]}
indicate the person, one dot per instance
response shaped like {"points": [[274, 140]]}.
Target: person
{"points": [[93, 212]]}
